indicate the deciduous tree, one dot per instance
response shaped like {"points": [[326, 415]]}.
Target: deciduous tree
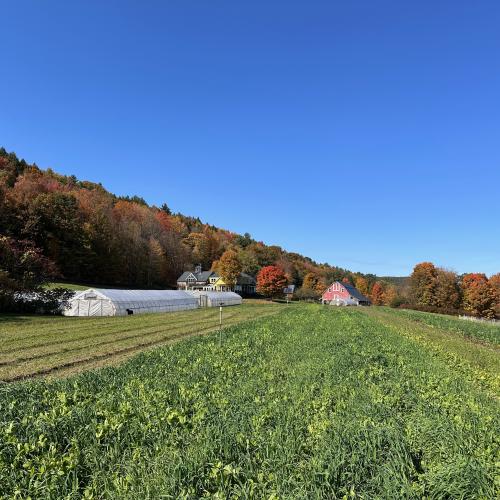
{"points": [[377, 295], [249, 264], [495, 283], [310, 281], [423, 282], [361, 284], [229, 266], [478, 295], [54, 223], [389, 295], [271, 281], [447, 290], [23, 268]]}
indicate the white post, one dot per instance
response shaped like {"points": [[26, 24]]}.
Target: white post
{"points": [[220, 326]]}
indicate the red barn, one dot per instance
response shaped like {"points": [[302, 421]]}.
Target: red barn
{"points": [[344, 294]]}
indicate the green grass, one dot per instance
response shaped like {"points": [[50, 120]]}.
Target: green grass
{"points": [[489, 332], [313, 402], [77, 287], [55, 345], [475, 358], [70, 286]]}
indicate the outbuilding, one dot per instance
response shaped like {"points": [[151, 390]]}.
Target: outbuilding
{"points": [[216, 299], [111, 302]]}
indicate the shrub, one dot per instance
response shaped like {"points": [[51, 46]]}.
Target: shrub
{"points": [[434, 309], [52, 301], [307, 294]]}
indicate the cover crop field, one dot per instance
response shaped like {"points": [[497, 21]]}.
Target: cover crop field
{"points": [[44, 345], [312, 402]]}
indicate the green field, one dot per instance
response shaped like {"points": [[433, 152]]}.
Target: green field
{"points": [[310, 402], [44, 345], [70, 286]]}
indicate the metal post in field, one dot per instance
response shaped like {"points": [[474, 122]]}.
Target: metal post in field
{"points": [[220, 323]]}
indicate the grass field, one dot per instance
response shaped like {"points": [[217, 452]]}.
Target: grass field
{"points": [[72, 286], [45, 345], [311, 402], [473, 330]]}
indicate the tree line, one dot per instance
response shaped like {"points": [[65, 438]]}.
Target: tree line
{"points": [[56, 227], [76, 231], [435, 289]]}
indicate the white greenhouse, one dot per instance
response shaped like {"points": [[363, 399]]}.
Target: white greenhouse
{"points": [[215, 299], [108, 302]]}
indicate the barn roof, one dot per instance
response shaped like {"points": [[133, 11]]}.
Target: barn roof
{"points": [[355, 292]]}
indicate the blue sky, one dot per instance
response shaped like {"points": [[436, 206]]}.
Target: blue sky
{"points": [[363, 134]]}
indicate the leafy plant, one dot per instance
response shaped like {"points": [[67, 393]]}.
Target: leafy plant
{"points": [[315, 402]]}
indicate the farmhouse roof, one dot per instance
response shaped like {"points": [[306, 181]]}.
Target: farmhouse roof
{"points": [[184, 275], [203, 276]]}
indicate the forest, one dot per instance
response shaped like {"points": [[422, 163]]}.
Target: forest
{"points": [[83, 230], [57, 227]]}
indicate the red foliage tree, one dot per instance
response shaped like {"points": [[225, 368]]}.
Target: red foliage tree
{"points": [[270, 281]]}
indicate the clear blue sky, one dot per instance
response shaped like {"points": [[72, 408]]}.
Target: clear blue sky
{"points": [[364, 134]]}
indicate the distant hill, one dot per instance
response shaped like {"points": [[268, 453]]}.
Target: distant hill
{"points": [[397, 281]]}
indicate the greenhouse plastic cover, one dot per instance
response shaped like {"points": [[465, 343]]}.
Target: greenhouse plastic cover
{"points": [[138, 295], [111, 302], [218, 298]]}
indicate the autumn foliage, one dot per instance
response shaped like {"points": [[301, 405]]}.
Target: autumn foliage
{"points": [[229, 267], [479, 297], [270, 281], [440, 290], [377, 294], [314, 283], [93, 236]]}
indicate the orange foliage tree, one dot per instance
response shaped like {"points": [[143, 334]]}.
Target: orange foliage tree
{"points": [[361, 284], [377, 295], [229, 267], [447, 290], [270, 281], [389, 295], [495, 284], [479, 295], [423, 282]]}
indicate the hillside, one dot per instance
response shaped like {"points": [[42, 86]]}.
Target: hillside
{"points": [[94, 236]]}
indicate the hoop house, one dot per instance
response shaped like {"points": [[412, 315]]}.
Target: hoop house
{"points": [[108, 302], [216, 299]]}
